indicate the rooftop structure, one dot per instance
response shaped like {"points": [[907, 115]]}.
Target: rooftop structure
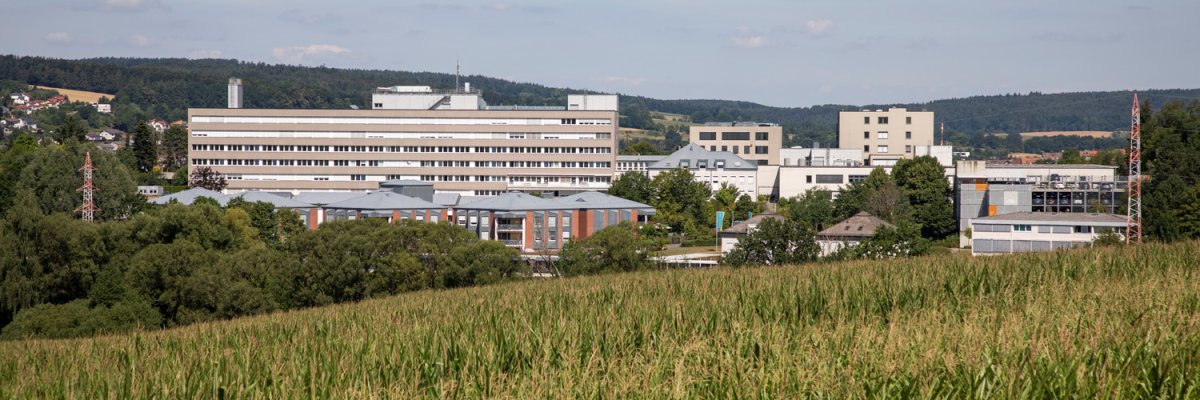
{"points": [[385, 204]]}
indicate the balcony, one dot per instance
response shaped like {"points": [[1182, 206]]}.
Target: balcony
{"points": [[510, 227]]}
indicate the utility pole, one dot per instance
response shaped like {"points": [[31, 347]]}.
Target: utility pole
{"points": [[1133, 232], [88, 209]]}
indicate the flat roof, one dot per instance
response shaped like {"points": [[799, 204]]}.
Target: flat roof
{"points": [[1101, 219], [1051, 166]]}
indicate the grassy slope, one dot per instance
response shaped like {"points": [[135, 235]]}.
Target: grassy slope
{"points": [[1103, 323]]}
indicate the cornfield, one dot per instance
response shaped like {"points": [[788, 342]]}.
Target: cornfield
{"points": [[1107, 323]]}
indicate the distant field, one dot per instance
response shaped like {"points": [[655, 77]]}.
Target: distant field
{"points": [[1094, 323], [1095, 134], [638, 134], [78, 95]]}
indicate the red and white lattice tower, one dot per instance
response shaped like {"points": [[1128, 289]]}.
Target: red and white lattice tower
{"points": [[88, 209], [1133, 232]]}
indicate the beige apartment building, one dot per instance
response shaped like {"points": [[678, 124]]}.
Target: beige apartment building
{"points": [[752, 141], [451, 139], [885, 136]]}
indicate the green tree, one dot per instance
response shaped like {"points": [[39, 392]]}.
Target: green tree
{"points": [[923, 182], [72, 128], [1171, 148], [774, 242], [725, 200], [902, 240], [641, 148], [145, 147], [680, 200], [12, 162], [175, 142], [207, 178], [853, 197], [52, 173], [617, 248], [813, 209], [634, 186]]}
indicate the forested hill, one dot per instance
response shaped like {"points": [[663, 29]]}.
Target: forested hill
{"points": [[165, 88]]}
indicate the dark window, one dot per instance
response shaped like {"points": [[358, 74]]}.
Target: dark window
{"points": [[808, 179], [908, 135], [867, 120], [866, 148], [736, 150], [867, 135], [761, 135], [858, 178], [724, 148], [883, 120], [829, 178], [760, 149], [708, 136], [712, 148], [378, 105], [735, 135], [762, 162], [746, 149], [908, 120]]}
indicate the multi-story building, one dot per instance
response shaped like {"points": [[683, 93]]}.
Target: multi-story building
{"points": [[753, 141], [885, 136], [714, 168], [452, 139], [983, 190]]}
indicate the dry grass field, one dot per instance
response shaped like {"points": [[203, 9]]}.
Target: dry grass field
{"points": [[1092, 323], [77, 95]]}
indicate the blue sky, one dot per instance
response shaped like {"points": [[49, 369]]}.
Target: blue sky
{"points": [[783, 53]]}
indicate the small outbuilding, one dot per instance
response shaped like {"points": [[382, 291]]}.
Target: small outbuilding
{"points": [[849, 233]]}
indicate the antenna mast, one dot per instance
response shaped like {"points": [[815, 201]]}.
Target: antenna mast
{"points": [[88, 209], [1133, 232], [456, 75]]}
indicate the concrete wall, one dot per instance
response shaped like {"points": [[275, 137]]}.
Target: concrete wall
{"points": [[853, 124]]}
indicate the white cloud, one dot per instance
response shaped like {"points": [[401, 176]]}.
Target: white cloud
{"points": [[58, 37], [139, 40], [624, 80], [297, 54], [198, 54], [819, 27], [750, 42]]}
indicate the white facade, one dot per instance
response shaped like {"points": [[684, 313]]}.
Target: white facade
{"points": [[1028, 232], [802, 157], [745, 180], [795, 181], [235, 93]]}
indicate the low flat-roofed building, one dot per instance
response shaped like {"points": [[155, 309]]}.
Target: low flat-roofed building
{"points": [[523, 221], [1037, 231], [712, 167], [189, 196]]}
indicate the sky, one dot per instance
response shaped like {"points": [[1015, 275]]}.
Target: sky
{"points": [[783, 53]]}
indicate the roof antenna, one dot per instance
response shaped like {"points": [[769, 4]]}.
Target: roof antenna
{"points": [[456, 75]]}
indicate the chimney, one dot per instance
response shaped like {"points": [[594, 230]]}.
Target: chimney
{"points": [[235, 93]]}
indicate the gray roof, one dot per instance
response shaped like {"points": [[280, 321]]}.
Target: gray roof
{"points": [[276, 200], [694, 154], [860, 225], [447, 199], [323, 198], [514, 201], [592, 200], [1034, 218], [640, 158], [187, 197], [384, 200], [742, 227]]}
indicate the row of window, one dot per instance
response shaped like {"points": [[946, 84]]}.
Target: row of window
{"points": [[742, 149], [884, 120], [883, 148], [402, 149], [517, 179], [883, 135], [734, 135], [402, 164], [398, 120], [1052, 229], [834, 179]]}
